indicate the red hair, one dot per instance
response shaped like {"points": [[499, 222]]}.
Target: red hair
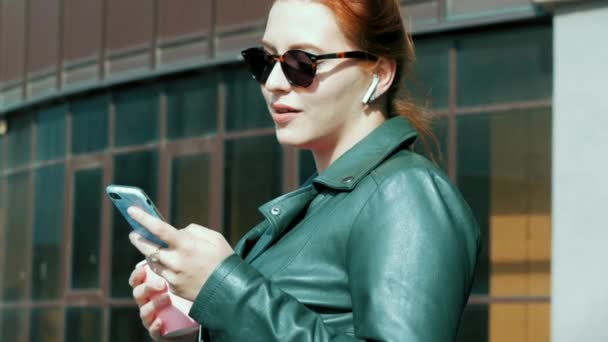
{"points": [[376, 27]]}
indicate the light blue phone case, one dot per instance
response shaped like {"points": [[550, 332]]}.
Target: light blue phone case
{"points": [[124, 197]]}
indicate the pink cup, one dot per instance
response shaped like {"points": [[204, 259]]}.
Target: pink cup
{"points": [[176, 321]]}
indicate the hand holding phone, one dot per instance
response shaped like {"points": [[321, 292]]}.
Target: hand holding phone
{"points": [[124, 197]]}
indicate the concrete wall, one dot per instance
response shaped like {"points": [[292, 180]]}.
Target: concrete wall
{"points": [[579, 309]]}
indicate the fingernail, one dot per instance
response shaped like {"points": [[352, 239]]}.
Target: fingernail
{"points": [[158, 284], [132, 211], [163, 299]]}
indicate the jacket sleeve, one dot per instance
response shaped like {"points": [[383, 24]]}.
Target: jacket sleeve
{"points": [[411, 256]]}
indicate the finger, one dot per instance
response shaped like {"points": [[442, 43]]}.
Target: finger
{"points": [[156, 329], [148, 311], [145, 246], [142, 293], [162, 230], [137, 277]]}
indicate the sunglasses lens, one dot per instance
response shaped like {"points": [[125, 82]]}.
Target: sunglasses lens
{"points": [[259, 63], [298, 68]]}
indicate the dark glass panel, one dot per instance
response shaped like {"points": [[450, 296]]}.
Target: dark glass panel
{"points": [[126, 326], [253, 176], [13, 325], [136, 116], [190, 186], [436, 151], [48, 233], [140, 170], [430, 82], [87, 228], [89, 124], [506, 66], [192, 106], [45, 325], [3, 162], [17, 231], [83, 324], [245, 105], [473, 172], [50, 127], [504, 172], [474, 324], [307, 165], [19, 140]]}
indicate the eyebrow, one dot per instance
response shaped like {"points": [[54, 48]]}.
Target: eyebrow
{"points": [[301, 46]]}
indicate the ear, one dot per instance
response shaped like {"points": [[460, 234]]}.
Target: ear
{"points": [[385, 69]]}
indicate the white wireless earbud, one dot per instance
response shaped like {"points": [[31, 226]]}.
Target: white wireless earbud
{"points": [[370, 91]]}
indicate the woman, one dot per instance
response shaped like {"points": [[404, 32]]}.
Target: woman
{"points": [[378, 246]]}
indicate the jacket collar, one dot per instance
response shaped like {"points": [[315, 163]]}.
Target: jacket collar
{"points": [[346, 172]]}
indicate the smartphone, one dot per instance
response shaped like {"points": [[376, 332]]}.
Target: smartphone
{"points": [[124, 197]]}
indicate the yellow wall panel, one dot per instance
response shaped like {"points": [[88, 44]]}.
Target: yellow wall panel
{"points": [[521, 322]]}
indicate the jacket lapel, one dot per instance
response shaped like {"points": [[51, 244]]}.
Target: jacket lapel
{"points": [[246, 242], [279, 213]]}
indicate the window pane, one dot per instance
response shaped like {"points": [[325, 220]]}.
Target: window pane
{"points": [[430, 72], [46, 325], [514, 65], [19, 140], [192, 106], [474, 324], [307, 165], [245, 106], [13, 325], [87, 228], [83, 324], [48, 233], [16, 235], [190, 186], [89, 124], [437, 151], [140, 170], [50, 143], [2, 212], [504, 173], [126, 326], [136, 116], [2, 161], [525, 322], [253, 177]]}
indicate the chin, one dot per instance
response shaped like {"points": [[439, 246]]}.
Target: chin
{"points": [[292, 138]]}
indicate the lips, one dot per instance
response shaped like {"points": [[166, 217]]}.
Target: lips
{"points": [[282, 113], [280, 108]]}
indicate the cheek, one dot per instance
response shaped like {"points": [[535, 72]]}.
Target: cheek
{"points": [[266, 95], [339, 94]]}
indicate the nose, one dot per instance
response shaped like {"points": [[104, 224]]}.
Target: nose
{"points": [[276, 81]]}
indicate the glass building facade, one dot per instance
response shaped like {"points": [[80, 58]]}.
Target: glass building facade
{"points": [[197, 138]]}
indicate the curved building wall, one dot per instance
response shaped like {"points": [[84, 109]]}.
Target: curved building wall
{"points": [[152, 94]]}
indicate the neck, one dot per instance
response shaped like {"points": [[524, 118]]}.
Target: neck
{"points": [[329, 152]]}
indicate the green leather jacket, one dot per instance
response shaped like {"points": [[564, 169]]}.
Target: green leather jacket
{"points": [[381, 246]]}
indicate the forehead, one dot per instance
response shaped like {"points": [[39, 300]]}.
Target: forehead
{"points": [[294, 22]]}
